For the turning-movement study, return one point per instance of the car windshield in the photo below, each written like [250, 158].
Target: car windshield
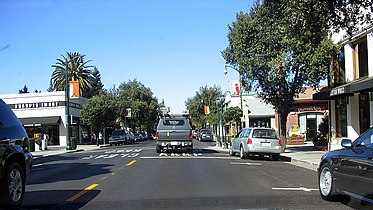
[185, 104]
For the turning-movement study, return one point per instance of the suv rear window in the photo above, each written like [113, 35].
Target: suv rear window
[118, 132]
[174, 122]
[264, 133]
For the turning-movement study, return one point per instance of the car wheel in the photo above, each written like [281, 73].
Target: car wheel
[275, 157]
[13, 186]
[157, 149]
[231, 153]
[326, 183]
[243, 155]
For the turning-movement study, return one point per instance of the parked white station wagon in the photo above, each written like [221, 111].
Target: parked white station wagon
[253, 141]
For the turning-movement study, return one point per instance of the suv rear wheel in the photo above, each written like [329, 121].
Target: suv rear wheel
[12, 188]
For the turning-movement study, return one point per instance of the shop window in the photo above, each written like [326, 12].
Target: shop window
[260, 122]
[341, 116]
[364, 108]
[309, 124]
[339, 69]
[361, 57]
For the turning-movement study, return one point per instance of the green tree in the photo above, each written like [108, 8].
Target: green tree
[24, 90]
[96, 86]
[78, 70]
[143, 105]
[206, 96]
[280, 47]
[100, 112]
[233, 115]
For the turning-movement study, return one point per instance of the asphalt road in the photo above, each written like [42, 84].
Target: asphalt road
[135, 177]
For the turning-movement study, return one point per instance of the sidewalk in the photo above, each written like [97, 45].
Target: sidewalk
[57, 150]
[305, 155]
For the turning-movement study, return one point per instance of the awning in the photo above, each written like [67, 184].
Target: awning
[32, 121]
[342, 90]
[360, 85]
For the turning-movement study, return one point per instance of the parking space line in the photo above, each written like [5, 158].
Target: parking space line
[296, 189]
[249, 164]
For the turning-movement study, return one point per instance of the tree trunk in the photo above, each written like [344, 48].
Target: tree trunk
[283, 119]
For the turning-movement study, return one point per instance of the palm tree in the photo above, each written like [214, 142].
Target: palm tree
[78, 70]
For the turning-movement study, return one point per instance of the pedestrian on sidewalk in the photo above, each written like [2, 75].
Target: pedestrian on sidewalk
[99, 138]
[38, 142]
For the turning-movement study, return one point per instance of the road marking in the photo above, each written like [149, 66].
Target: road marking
[131, 163]
[297, 189]
[249, 164]
[73, 198]
[189, 157]
[110, 156]
[37, 165]
[163, 154]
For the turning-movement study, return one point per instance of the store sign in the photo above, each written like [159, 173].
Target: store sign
[36, 105]
[45, 105]
[337, 91]
[311, 109]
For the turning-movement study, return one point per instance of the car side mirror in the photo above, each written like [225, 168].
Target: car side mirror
[346, 143]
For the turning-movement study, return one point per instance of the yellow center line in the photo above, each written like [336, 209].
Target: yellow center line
[73, 198]
[131, 163]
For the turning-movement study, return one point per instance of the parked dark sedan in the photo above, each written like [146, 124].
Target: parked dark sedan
[15, 159]
[348, 171]
[205, 135]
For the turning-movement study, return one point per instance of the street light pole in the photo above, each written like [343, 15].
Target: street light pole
[240, 85]
[67, 110]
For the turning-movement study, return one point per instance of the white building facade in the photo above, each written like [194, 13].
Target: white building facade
[44, 113]
[255, 112]
[350, 92]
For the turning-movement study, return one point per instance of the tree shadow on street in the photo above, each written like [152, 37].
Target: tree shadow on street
[57, 199]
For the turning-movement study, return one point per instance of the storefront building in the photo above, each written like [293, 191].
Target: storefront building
[255, 112]
[44, 113]
[350, 92]
[306, 115]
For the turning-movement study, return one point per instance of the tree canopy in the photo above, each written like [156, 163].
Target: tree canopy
[100, 111]
[206, 96]
[78, 70]
[143, 105]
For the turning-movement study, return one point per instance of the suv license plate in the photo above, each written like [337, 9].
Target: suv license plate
[174, 143]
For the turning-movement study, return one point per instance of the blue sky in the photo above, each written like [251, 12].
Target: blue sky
[171, 46]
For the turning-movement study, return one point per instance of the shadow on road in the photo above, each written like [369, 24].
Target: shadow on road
[57, 172]
[56, 199]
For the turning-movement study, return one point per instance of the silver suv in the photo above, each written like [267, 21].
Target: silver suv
[263, 141]
[174, 132]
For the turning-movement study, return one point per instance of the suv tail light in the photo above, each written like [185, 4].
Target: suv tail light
[279, 142]
[190, 134]
[249, 141]
[156, 135]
